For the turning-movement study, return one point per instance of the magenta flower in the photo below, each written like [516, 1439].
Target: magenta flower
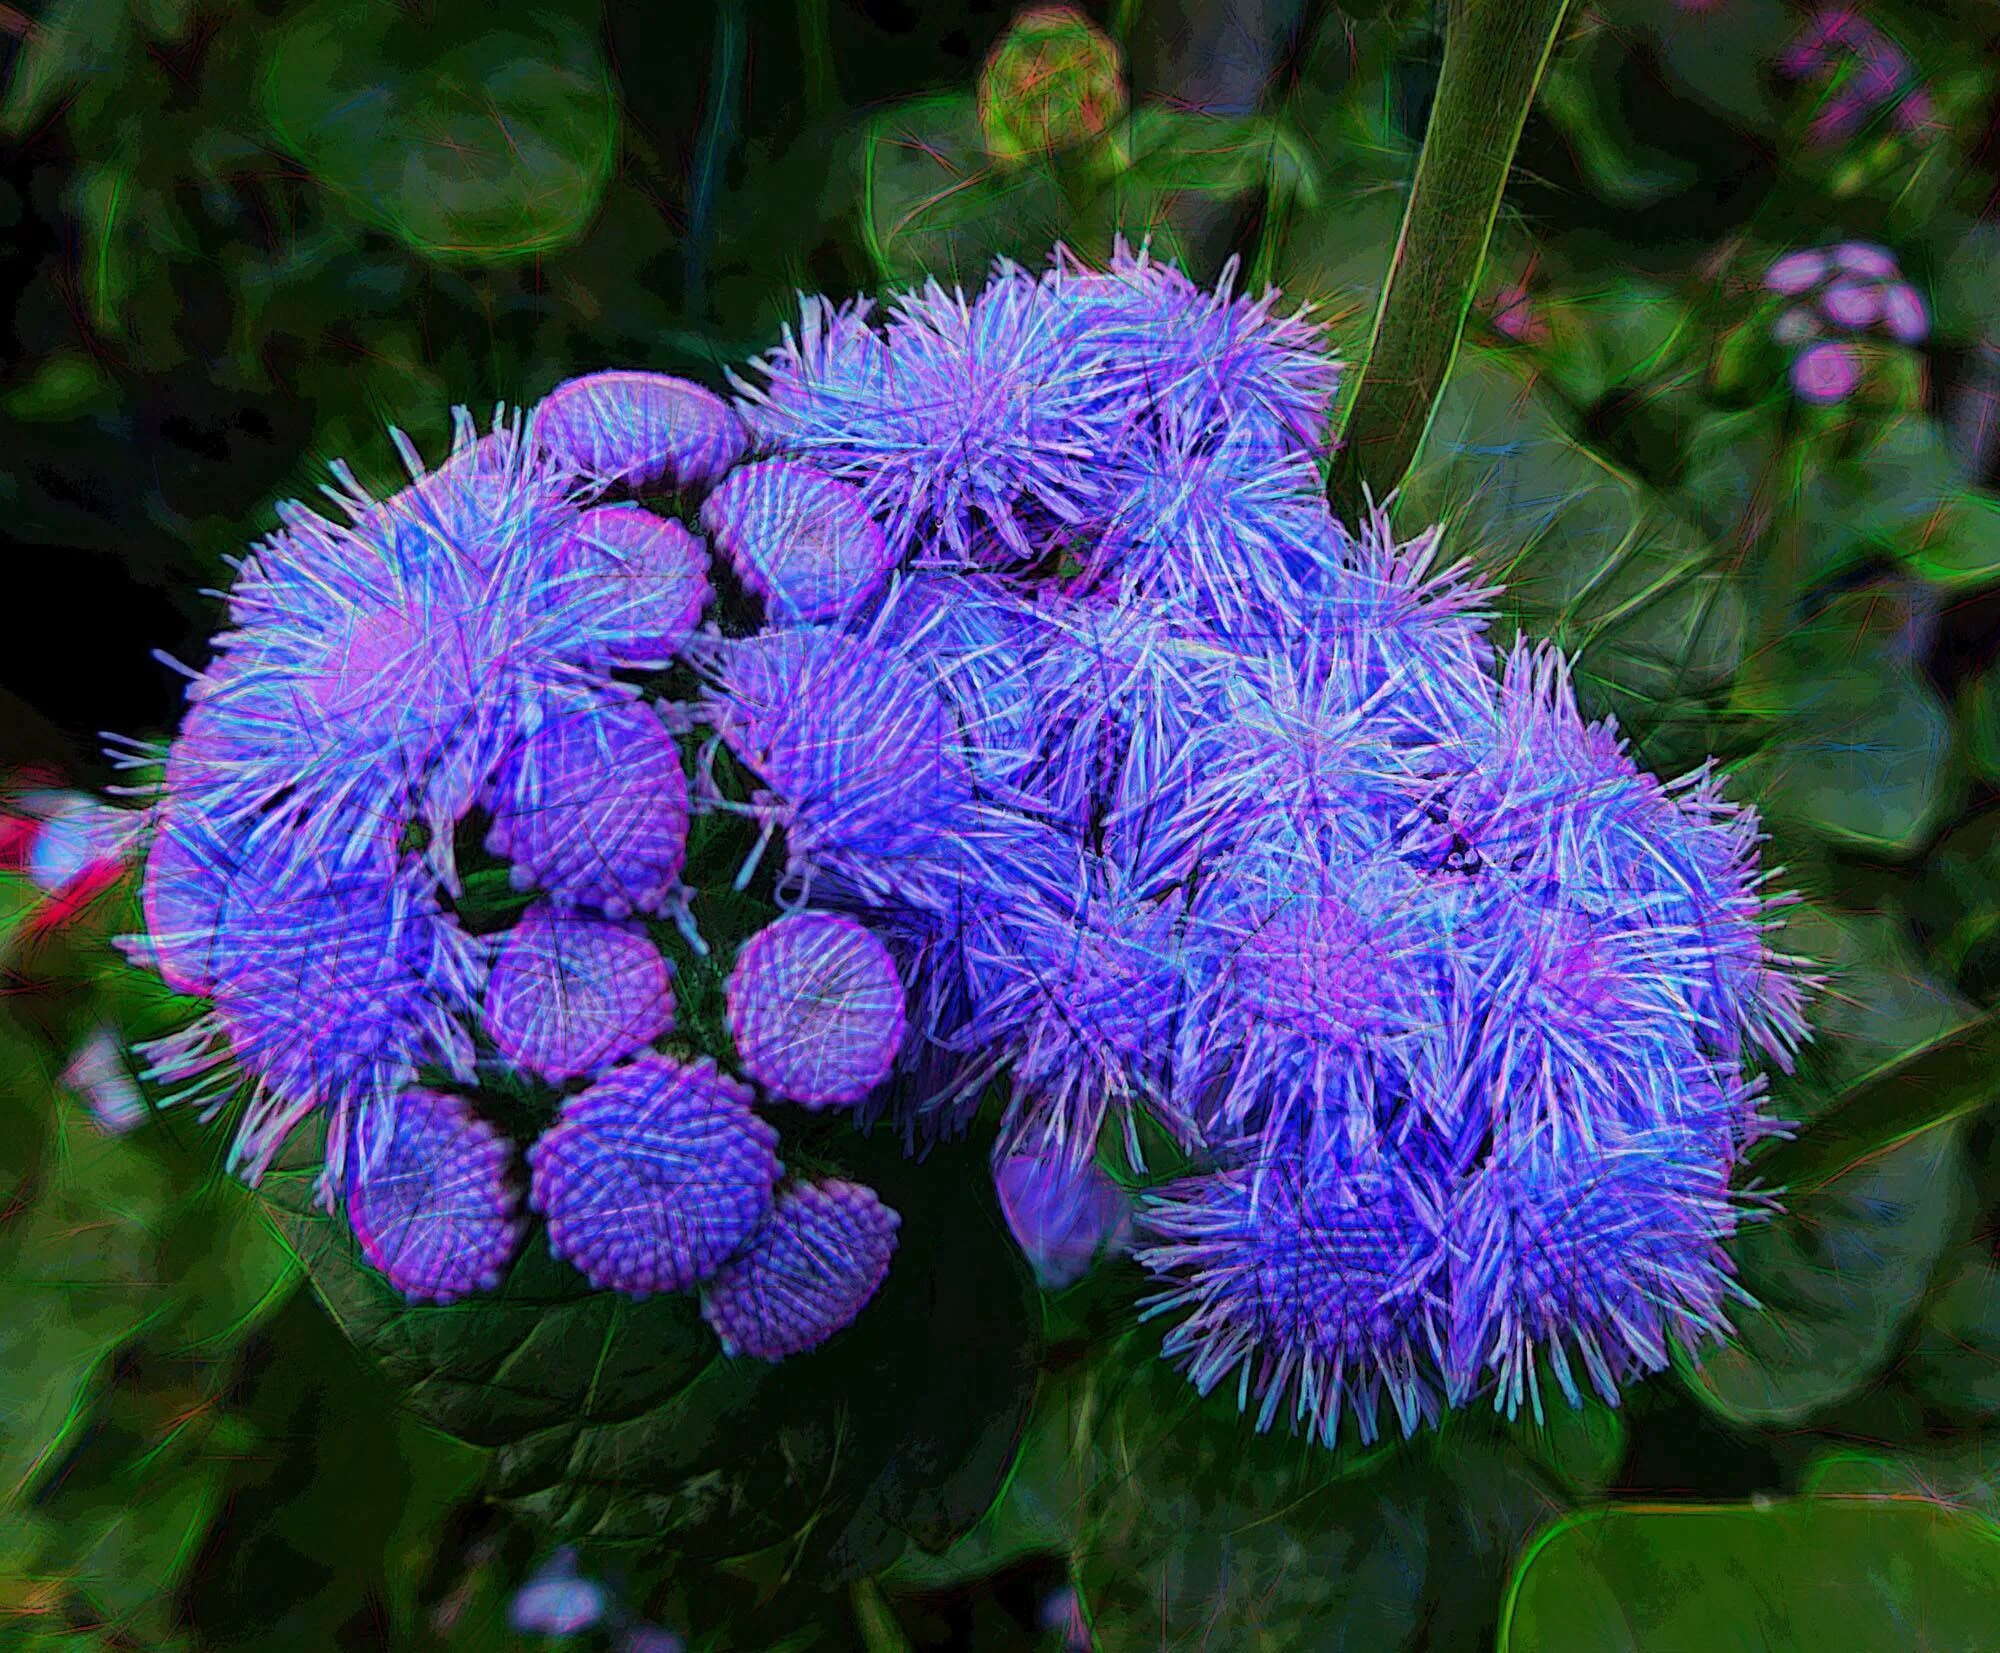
[569, 995]
[434, 1209]
[640, 428]
[801, 541]
[1795, 272]
[593, 807]
[1904, 314]
[1827, 373]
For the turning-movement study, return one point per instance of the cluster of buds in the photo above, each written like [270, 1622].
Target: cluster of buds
[1841, 297]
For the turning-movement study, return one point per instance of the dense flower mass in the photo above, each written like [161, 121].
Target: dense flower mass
[1111, 765]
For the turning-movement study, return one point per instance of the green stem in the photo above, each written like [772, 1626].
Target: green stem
[1494, 54]
[880, 1633]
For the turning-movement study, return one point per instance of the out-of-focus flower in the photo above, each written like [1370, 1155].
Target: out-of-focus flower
[1795, 272]
[557, 1600]
[1513, 313]
[1851, 288]
[98, 1072]
[1064, 1217]
[1062, 1615]
[1826, 373]
[1052, 81]
[71, 847]
[1862, 70]
[76, 841]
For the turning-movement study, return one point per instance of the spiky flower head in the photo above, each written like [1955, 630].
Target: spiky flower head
[1309, 1280]
[1116, 768]
[383, 680]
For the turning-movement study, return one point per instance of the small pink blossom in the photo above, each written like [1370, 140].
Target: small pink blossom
[1826, 374]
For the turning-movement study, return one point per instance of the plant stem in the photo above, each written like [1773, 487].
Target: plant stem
[1494, 54]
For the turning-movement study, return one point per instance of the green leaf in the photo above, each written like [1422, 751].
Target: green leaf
[1954, 1360]
[1720, 56]
[1582, 1446]
[1836, 1277]
[1928, 1090]
[1957, 905]
[78, 1275]
[469, 143]
[622, 1422]
[1860, 755]
[1190, 1530]
[1880, 1004]
[1835, 1575]
[1963, 1473]
[82, 43]
[1581, 95]
[1587, 557]
[934, 202]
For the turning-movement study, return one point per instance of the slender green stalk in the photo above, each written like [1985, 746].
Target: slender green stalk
[1494, 54]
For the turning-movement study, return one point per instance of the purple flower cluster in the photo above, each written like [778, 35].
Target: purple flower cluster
[1862, 70]
[445, 669]
[1839, 296]
[1110, 765]
[1175, 798]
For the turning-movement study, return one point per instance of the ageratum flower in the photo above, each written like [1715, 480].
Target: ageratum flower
[592, 805]
[1064, 1217]
[1312, 1283]
[801, 541]
[810, 1270]
[569, 995]
[1161, 795]
[1165, 355]
[854, 745]
[436, 1211]
[446, 648]
[815, 1008]
[655, 1176]
[965, 414]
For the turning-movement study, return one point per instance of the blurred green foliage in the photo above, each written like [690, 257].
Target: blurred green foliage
[246, 235]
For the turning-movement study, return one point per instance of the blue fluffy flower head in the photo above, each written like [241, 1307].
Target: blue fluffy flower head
[1113, 768]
